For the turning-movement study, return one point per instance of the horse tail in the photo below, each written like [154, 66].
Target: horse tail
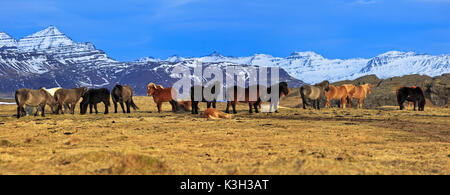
[17, 97]
[134, 105]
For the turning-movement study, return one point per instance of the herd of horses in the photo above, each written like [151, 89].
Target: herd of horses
[57, 98]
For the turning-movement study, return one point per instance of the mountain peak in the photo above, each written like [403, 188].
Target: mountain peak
[46, 38]
[305, 54]
[396, 54]
[215, 54]
[6, 40]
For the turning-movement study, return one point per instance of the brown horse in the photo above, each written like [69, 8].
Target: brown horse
[360, 93]
[314, 93]
[161, 95]
[243, 98]
[121, 94]
[339, 93]
[69, 97]
[34, 98]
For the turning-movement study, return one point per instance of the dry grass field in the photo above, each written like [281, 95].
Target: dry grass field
[294, 141]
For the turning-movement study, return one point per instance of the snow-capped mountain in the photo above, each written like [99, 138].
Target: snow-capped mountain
[312, 67]
[6, 40]
[49, 58]
[50, 37]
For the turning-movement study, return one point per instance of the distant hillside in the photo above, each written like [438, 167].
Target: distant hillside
[437, 89]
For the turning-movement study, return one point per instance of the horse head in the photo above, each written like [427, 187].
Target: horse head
[325, 85]
[151, 88]
[284, 88]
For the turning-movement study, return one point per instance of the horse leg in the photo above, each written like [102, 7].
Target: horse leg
[19, 111]
[73, 108]
[115, 106]
[255, 106]
[228, 107]
[250, 108]
[128, 104]
[327, 103]
[304, 102]
[233, 104]
[95, 107]
[208, 104]
[106, 107]
[415, 103]
[43, 110]
[343, 102]
[318, 104]
[214, 104]
[121, 105]
[158, 105]
[174, 105]
[90, 108]
[193, 111]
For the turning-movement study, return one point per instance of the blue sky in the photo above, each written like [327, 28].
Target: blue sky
[128, 30]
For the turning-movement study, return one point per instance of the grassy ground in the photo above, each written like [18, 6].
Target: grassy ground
[294, 141]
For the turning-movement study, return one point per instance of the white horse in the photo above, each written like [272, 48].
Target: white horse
[29, 110]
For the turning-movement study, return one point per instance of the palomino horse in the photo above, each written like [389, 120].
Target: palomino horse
[339, 93]
[69, 97]
[200, 90]
[161, 95]
[34, 98]
[410, 94]
[121, 94]
[283, 90]
[314, 93]
[359, 93]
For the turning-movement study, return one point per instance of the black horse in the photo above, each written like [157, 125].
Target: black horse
[283, 90]
[415, 95]
[92, 97]
[201, 89]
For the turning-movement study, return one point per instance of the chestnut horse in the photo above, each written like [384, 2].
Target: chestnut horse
[161, 95]
[212, 113]
[314, 93]
[360, 93]
[339, 93]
